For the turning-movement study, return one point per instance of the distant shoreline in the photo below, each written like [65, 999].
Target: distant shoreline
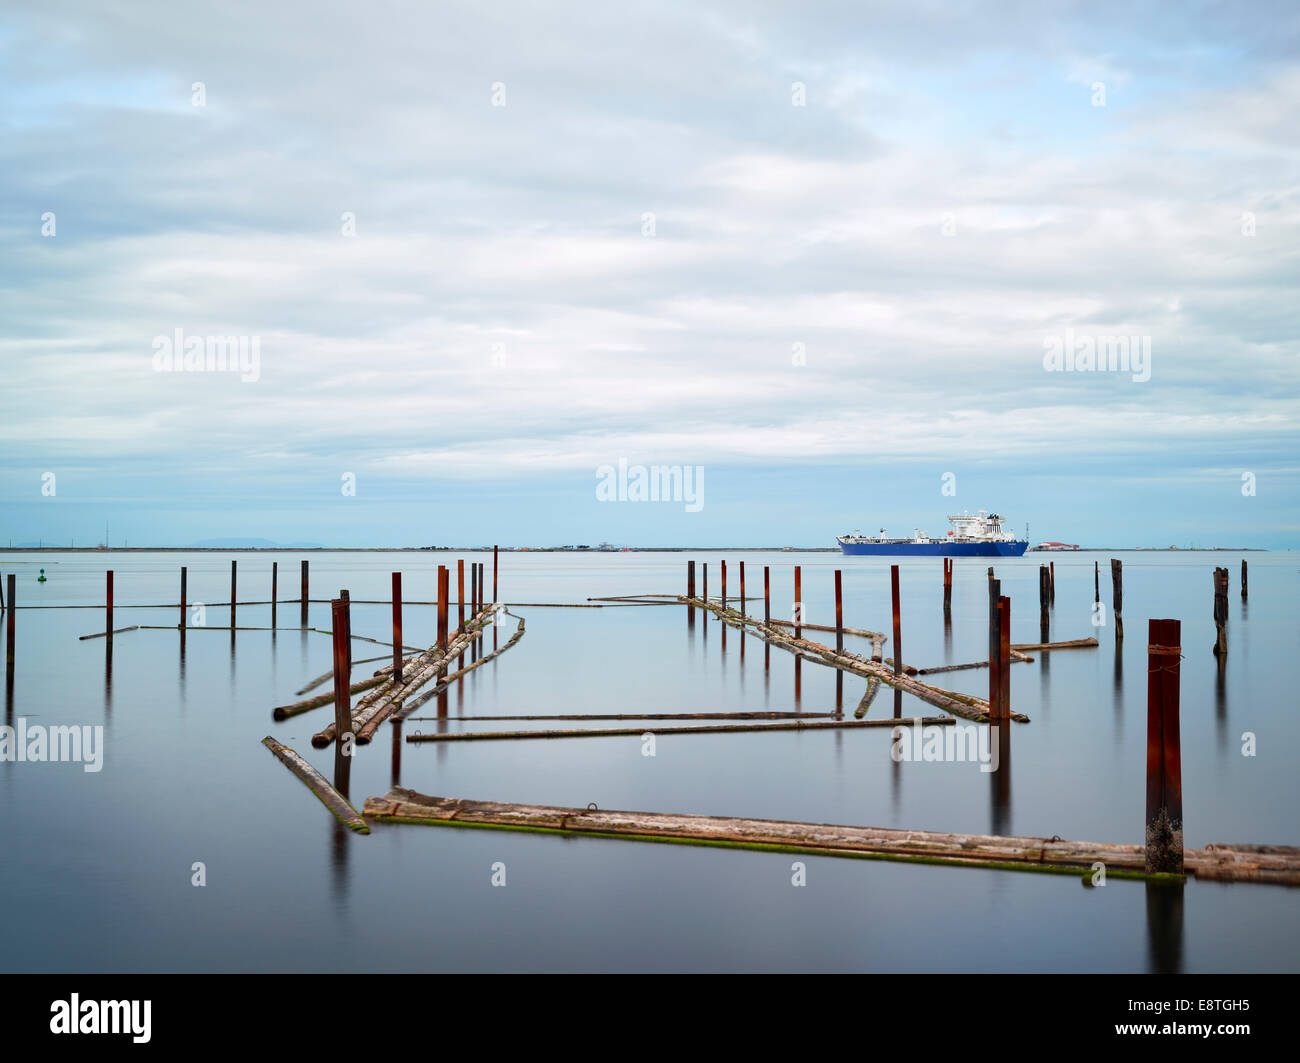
[570, 550]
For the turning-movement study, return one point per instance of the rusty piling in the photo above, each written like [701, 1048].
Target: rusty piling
[275, 574]
[1117, 596]
[184, 580]
[1164, 818]
[724, 584]
[303, 594]
[1243, 579]
[342, 676]
[397, 627]
[798, 603]
[108, 604]
[898, 620]
[232, 594]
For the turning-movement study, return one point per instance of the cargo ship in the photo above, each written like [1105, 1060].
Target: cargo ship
[978, 535]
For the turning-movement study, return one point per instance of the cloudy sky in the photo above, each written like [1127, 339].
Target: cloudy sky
[818, 250]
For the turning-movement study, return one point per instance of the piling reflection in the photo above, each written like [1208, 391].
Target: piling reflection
[1165, 928]
[1221, 699]
[395, 775]
[1000, 781]
[108, 677]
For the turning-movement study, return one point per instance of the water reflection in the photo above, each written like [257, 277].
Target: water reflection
[1165, 928]
[1000, 781]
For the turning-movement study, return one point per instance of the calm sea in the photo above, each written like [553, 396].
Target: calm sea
[98, 867]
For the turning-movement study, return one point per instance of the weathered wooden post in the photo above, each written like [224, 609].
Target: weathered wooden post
[1004, 657]
[12, 598]
[303, 593]
[342, 676]
[705, 569]
[1117, 596]
[724, 584]
[742, 602]
[947, 586]
[347, 627]
[232, 595]
[995, 647]
[460, 595]
[1221, 612]
[898, 620]
[184, 578]
[1096, 582]
[1051, 583]
[767, 596]
[839, 616]
[1243, 578]
[495, 599]
[108, 603]
[275, 572]
[397, 627]
[443, 587]
[1164, 820]
[690, 579]
[1044, 599]
[798, 603]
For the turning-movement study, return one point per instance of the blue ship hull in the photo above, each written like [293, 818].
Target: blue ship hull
[940, 549]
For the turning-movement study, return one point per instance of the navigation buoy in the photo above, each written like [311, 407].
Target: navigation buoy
[41, 577]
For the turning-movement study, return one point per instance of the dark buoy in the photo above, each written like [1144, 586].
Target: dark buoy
[41, 577]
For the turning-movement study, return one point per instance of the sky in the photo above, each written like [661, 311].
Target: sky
[817, 257]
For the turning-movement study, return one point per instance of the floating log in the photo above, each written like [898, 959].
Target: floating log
[404, 711]
[645, 716]
[825, 627]
[611, 732]
[424, 668]
[319, 785]
[873, 688]
[1242, 863]
[283, 712]
[1016, 655]
[972, 709]
[102, 634]
[1042, 647]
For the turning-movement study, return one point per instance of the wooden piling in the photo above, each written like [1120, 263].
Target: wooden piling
[232, 595]
[767, 595]
[1117, 597]
[1051, 583]
[342, 681]
[839, 614]
[995, 654]
[1096, 581]
[1044, 600]
[12, 597]
[397, 627]
[495, 598]
[690, 580]
[742, 597]
[724, 584]
[1004, 657]
[1221, 612]
[1164, 818]
[443, 588]
[1243, 578]
[798, 603]
[275, 575]
[705, 570]
[303, 597]
[898, 620]
[947, 586]
[108, 603]
[184, 578]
